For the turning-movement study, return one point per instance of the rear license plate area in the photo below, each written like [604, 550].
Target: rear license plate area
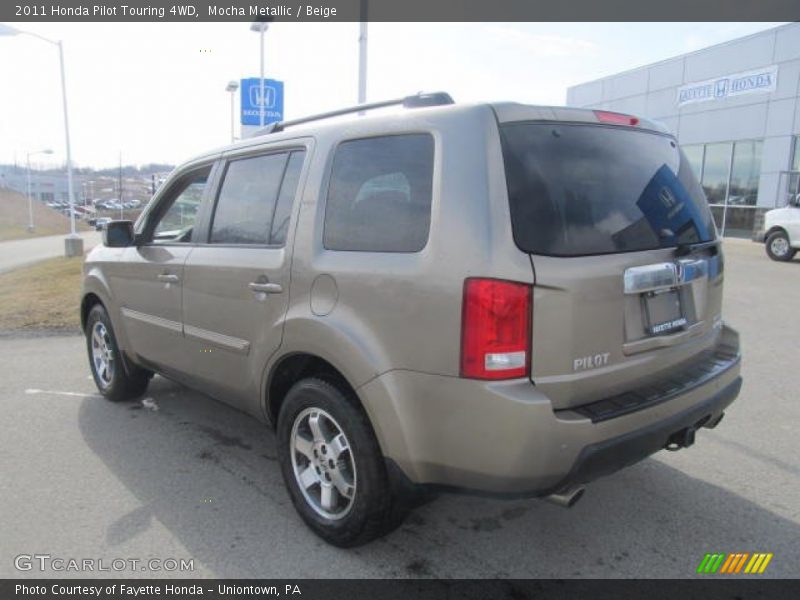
[663, 312]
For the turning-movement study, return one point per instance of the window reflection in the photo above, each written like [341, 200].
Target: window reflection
[729, 173]
[744, 173]
[694, 154]
[716, 169]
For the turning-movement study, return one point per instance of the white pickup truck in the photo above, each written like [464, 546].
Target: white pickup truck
[782, 227]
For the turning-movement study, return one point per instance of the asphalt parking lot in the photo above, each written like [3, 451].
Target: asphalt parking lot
[85, 478]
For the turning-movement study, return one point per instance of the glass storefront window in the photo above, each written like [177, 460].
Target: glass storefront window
[745, 170]
[739, 221]
[694, 154]
[729, 173]
[793, 189]
[716, 172]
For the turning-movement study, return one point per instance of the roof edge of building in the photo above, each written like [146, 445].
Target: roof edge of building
[684, 55]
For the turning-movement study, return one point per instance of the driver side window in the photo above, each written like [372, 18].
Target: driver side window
[177, 218]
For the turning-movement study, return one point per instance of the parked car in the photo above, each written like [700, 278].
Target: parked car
[100, 222]
[782, 231]
[497, 299]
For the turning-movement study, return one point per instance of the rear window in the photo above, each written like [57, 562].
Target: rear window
[577, 189]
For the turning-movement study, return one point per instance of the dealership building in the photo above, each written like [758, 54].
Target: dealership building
[735, 109]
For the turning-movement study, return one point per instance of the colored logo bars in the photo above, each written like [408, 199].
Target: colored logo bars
[740, 562]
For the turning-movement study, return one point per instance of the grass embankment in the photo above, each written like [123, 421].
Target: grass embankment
[14, 218]
[43, 296]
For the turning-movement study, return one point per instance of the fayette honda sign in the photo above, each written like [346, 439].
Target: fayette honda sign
[760, 81]
[253, 103]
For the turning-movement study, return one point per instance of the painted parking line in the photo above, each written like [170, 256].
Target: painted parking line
[33, 391]
[149, 403]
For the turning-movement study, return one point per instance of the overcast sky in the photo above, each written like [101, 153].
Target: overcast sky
[156, 91]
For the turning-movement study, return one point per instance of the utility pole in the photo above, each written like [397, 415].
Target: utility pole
[119, 186]
[362, 55]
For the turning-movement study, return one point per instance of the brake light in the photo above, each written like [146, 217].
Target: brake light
[495, 329]
[605, 116]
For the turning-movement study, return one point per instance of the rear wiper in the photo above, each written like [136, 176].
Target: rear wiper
[684, 249]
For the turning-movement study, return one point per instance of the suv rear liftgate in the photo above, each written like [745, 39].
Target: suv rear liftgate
[628, 274]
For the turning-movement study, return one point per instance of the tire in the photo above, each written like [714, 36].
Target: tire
[354, 461]
[778, 247]
[113, 380]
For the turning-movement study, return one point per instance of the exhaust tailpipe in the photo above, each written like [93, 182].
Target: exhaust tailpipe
[567, 497]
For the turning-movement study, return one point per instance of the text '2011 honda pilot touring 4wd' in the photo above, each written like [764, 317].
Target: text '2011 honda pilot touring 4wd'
[494, 298]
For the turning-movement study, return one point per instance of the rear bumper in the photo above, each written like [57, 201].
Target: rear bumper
[504, 438]
[608, 456]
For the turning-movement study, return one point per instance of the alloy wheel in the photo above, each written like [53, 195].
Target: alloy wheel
[323, 464]
[102, 354]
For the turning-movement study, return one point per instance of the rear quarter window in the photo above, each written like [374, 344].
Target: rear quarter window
[379, 197]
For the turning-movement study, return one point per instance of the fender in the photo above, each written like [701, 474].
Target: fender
[95, 282]
[345, 343]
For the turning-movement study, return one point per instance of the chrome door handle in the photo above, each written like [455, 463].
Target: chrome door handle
[266, 288]
[168, 278]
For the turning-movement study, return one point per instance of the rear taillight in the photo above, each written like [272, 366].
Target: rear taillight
[605, 116]
[495, 329]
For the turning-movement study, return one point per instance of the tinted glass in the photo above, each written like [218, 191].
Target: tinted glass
[588, 189]
[745, 172]
[716, 168]
[380, 194]
[176, 222]
[694, 154]
[283, 209]
[738, 220]
[246, 200]
[796, 161]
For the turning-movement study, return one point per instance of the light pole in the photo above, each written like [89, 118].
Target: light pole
[73, 243]
[30, 197]
[232, 87]
[362, 55]
[261, 28]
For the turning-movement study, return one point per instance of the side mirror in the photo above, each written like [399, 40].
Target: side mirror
[795, 201]
[118, 234]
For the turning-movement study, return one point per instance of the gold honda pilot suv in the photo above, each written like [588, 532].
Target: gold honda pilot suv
[486, 298]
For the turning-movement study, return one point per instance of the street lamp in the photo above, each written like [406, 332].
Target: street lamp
[232, 87]
[73, 244]
[261, 28]
[30, 197]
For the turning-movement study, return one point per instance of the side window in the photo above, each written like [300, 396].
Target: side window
[247, 200]
[175, 221]
[379, 199]
[283, 209]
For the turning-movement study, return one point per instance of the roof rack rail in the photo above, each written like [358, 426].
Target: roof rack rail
[416, 101]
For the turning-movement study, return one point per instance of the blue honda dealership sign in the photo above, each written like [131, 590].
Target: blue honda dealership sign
[271, 104]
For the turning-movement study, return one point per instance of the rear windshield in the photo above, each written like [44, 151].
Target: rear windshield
[578, 189]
